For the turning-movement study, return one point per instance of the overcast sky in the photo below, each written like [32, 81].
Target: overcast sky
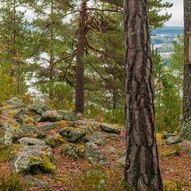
[176, 10]
[177, 13]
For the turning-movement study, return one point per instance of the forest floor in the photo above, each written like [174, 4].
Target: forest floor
[71, 174]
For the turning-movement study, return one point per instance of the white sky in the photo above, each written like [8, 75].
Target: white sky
[176, 10]
[177, 13]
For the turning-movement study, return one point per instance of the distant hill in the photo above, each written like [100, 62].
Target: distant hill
[168, 30]
[164, 38]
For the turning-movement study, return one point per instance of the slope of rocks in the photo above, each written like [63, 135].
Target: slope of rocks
[49, 148]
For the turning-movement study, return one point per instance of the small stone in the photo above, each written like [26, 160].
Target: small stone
[109, 129]
[166, 135]
[173, 140]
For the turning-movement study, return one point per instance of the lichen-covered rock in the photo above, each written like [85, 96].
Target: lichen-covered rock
[31, 141]
[186, 130]
[48, 126]
[73, 134]
[51, 115]
[68, 115]
[109, 129]
[32, 159]
[98, 138]
[185, 146]
[173, 140]
[94, 155]
[29, 130]
[11, 133]
[15, 103]
[38, 108]
[73, 151]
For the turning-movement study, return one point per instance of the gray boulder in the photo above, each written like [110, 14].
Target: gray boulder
[32, 159]
[94, 155]
[38, 108]
[11, 134]
[31, 141]
[98, 138]
[48, 126]
[73, 134]
[51, 115]
[68, 115]
[109, 129]
[29, 130]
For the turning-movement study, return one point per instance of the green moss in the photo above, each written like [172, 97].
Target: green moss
[172, 186]
[46, 165]
[16, 125]
[51, 142]
[54, 141]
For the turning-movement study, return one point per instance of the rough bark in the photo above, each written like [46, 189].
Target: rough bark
[79, 105]
[187, 64]
[142, 171]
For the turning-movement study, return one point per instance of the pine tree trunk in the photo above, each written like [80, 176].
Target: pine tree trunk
[79, 105]
[187, 65]
[51, 61]
[142, 171]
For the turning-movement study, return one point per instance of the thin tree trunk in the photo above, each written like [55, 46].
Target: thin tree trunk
[79, 105]
[51, 70]
[142, 171]
[187, 64]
